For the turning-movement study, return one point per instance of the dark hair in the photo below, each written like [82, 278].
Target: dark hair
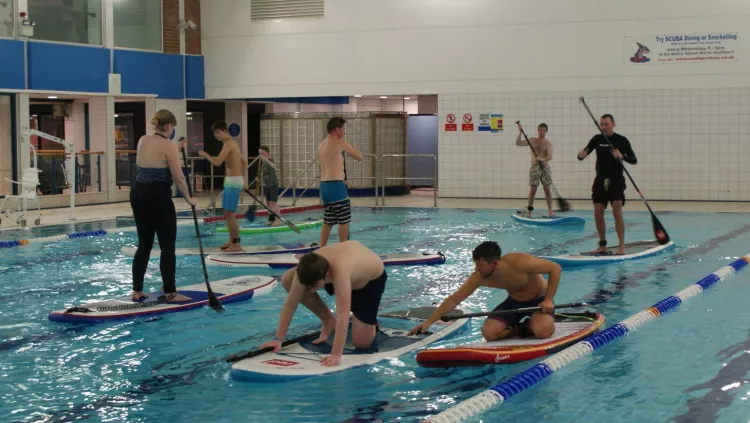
[335, 123]
[265, 148]
[311, 268]
[608, 116]
[488, 250]
[219, 125]
[543, 125]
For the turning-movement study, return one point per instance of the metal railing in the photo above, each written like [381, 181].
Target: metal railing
[406, 178]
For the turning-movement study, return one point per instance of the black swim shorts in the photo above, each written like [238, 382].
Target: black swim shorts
[607, 190]
[366, 301]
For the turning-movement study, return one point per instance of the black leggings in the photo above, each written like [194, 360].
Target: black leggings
[154, 214]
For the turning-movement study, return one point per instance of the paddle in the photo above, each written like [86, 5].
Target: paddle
[306, 337]
[563, 203]
[288, 223]
[661, 234]
[517, 310]
[212, 300]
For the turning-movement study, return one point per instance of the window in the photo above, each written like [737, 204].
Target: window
[6, 18]
[137, 24]
[71, 21]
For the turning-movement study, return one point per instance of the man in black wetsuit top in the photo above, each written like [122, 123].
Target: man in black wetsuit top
[609, 184]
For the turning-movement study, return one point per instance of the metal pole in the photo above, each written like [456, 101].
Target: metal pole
[212, 185]
[434, 181]
[99, 170]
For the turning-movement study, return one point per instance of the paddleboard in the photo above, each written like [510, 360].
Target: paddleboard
[273, 229]
[633, 250]
[227, 291]
[303, 359]
[569, 328]
[547, 220]
[260, 249]
[287, 261]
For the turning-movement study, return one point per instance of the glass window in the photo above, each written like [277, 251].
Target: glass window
[137, 24]
[71, 21]
[6, 18]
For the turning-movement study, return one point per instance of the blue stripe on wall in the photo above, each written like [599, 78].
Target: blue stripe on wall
[149, 73]
[62, 67]
[11, 64]
[196, 87]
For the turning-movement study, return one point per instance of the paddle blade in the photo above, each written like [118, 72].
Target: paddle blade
[214, 302]
[661, 234]
[250, 214]
[563, 204]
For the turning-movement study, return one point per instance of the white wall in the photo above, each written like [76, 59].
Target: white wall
[426, 46]
[691, 144]
[6, 141]
[355, 105]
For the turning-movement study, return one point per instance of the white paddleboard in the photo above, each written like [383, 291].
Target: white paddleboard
[231, 290]
[302, 360]
[548, 221]
[287, 261]
[260, 249]
[633, 250]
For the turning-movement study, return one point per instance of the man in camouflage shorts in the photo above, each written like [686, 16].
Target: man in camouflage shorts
[539, 170]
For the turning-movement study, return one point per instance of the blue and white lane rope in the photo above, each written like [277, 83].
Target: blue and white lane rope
[526, 379]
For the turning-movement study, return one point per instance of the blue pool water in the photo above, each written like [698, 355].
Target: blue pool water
[689, 365]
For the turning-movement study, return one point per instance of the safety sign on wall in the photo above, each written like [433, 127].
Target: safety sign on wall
[484, 123]
[496, 122]
[467, 124]
[451, 124]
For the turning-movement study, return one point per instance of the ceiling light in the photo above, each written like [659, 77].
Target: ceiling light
[117, 115]
[358, 95]
[189, 113]
[382, 96]
[52, 97]
[407, 98]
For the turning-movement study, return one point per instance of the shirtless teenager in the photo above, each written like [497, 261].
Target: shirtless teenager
[235, 180]
[543, 148]
[355, 275]
[521, 275]
[333, 192]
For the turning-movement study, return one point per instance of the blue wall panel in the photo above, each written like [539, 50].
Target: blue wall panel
[150, 73]
[196, 87]
[62, 67]
[11, 64]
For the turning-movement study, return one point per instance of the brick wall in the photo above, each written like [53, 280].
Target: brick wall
[170, 22]
[193, 36]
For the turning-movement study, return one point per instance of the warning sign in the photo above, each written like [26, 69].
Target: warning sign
[467, 125]
[484, 122]
[491, 122]
[451, 125]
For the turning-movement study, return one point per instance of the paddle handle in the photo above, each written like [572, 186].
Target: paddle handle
[517, 310]
[260, 351]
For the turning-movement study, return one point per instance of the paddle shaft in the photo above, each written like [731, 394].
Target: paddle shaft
[562, 201]
[517, 310]
[251, 354]
[288, 223]
[212, 300]
[657, 224]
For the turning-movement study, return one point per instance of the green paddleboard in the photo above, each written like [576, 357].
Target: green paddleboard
[271, 229]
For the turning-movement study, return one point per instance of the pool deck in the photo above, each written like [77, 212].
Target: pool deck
[420, 198]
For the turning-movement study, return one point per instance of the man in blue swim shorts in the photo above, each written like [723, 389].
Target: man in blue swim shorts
[521, 275]
[333, 192]
[235, 180]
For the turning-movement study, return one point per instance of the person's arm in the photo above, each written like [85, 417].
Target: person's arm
[468, 288]
[352, 152]
[296, 292]
[521, 142]
[243, 160]
[218, 160]
[627, 152]
[175, 168]
[535, 265]
[268, 162]
[591, 146]
[343, 290]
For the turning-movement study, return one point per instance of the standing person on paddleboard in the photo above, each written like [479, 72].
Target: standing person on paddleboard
[609, 183]
[158, 162]
[521, 275]
[333, 192]
[355, 275]
[539, 170]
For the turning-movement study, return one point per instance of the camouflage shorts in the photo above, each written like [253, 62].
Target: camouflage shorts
[536, 175]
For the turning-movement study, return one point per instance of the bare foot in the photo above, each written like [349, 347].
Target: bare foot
[621, 250]
[137, 296]
[176, 297]
[226, 245]
[551, 214]
[233, 248]
[325, 331]
[600, 250]
[276, 223]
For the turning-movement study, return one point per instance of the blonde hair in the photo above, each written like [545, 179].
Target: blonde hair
[163, 118]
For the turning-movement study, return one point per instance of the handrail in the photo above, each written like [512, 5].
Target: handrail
[298, 176]
[406, 178]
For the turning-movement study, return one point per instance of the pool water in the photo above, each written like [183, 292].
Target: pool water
[689, 365]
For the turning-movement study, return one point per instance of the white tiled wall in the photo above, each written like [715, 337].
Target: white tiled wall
[6, 141]
[355, 105]
[691, 144]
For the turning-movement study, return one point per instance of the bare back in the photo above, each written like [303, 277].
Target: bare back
[521, 286]
[351, 257]
[331, 159]
[233, 162]
[153, 151]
